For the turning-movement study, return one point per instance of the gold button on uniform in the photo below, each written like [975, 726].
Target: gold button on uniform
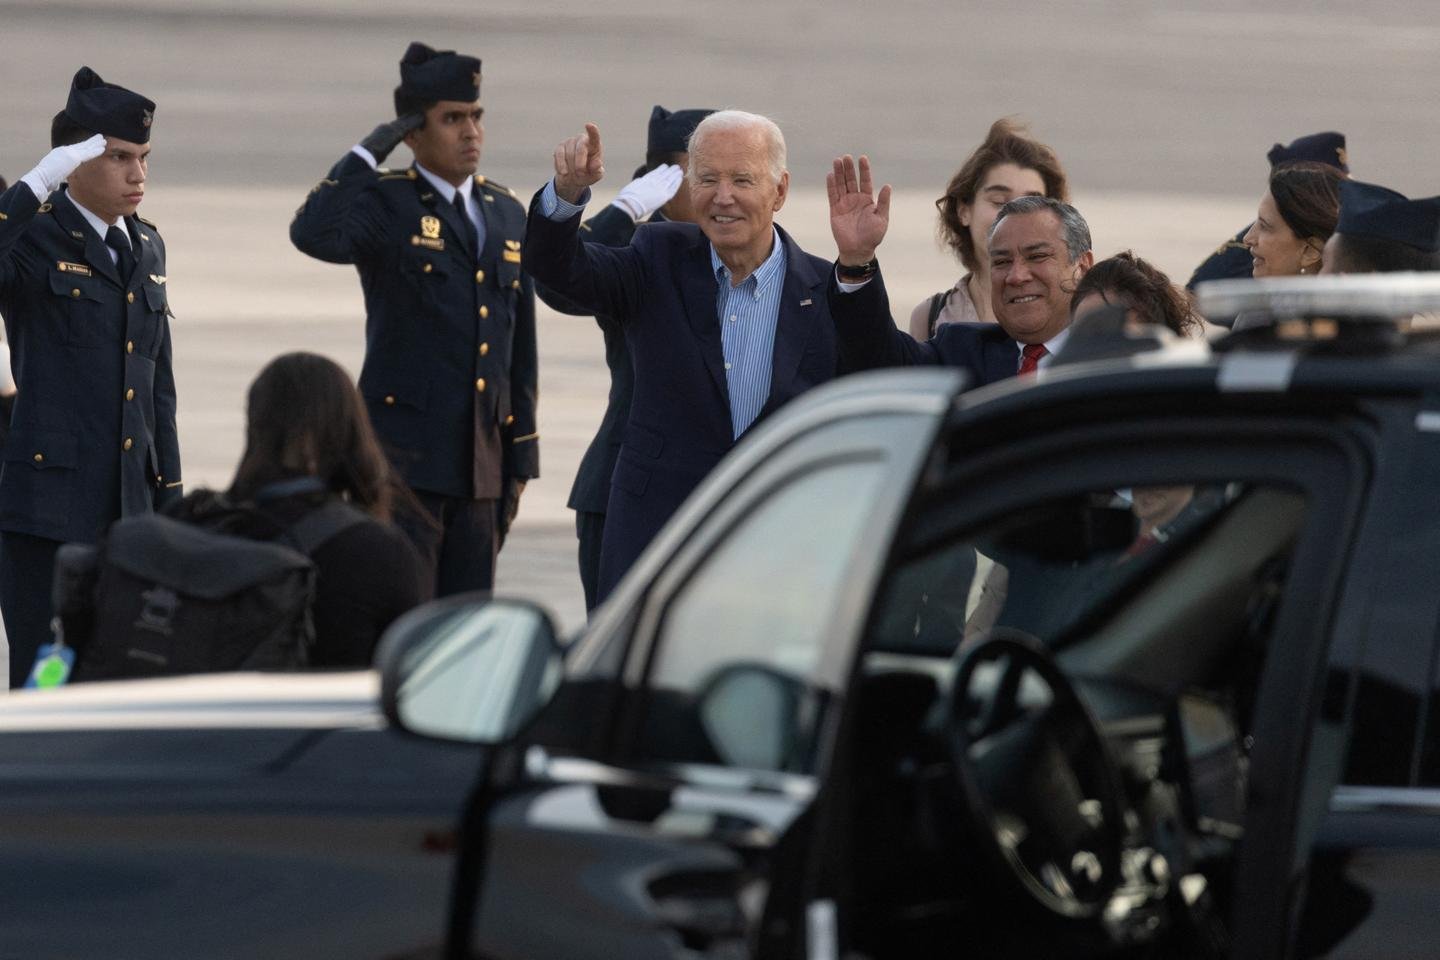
[389, 399]
[39, 458]
[480, 384]
[130, 297]
[509, 420]
[75, 292]
[128, 443]
[515, 284]
[484, 312]
[484, 349]
[428, 267]
[130, 394]
[479, 276]
[129, 346]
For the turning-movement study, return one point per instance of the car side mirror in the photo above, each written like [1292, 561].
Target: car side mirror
[474, 670]
[749, 711]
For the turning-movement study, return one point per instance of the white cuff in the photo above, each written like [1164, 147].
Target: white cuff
[850, 287]
[365, 155]
[557, 208]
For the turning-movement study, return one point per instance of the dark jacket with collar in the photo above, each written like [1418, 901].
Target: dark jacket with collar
[868, 338]
[662, 290]
[591, 490]
[92, 435]
[449, 375]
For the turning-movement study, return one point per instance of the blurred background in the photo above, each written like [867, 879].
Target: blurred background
[1161, 112]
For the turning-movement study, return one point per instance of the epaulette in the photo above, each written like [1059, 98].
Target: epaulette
[408, 174]
[482, 181]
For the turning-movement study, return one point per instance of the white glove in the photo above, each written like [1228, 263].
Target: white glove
[644, 195]
[59, 163]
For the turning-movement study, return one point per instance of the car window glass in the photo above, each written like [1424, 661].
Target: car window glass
[739, 668]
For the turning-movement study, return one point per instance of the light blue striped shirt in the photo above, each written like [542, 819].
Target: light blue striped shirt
[748, 316]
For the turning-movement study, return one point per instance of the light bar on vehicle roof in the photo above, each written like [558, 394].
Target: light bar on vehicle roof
[1370, 295]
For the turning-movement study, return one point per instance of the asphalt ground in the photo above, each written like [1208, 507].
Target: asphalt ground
[1162, 113]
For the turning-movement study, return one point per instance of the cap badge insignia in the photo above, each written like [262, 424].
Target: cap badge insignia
[1343, 155]
[430, 228]
[146, 118]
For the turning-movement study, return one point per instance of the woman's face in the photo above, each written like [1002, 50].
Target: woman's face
[1275, 249]
[1001, 184]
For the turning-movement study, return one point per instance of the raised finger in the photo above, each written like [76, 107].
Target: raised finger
[562, 167]
[830, 188]
[882, 203]
[851, 184]
[867, 186]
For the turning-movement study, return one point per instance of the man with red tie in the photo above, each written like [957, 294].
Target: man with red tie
[1039, 249]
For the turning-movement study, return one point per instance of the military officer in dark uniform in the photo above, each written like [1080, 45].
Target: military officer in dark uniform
[83, 294]
[450, 364]
[1232, 258]
[654, 193]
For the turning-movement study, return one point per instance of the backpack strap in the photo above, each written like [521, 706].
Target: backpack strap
[937, 304]
[316, 528]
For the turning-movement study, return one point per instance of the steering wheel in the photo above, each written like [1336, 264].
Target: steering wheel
[1043, 794]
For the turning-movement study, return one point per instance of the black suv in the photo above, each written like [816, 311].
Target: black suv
[1133, 658]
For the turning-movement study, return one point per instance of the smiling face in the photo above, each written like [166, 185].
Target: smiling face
[735, 196]
[1274, 248]
[448, 145]
[1001, 184]
[1032, 276]
[112, 185]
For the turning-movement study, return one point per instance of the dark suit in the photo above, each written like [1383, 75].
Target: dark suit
[663, 291]
[590, 493]
[449, 375]
[867, 338]
[92, 436]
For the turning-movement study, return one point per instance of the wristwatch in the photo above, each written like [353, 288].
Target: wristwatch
[858, 273]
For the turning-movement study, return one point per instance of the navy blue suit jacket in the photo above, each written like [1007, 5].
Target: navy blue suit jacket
[867, 338]
[591, 490]
[92, 437]
[662, 290]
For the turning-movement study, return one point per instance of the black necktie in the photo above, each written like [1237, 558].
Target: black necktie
[116, 240]
[470, 232]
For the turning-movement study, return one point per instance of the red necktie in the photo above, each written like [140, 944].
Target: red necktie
[1030, 356]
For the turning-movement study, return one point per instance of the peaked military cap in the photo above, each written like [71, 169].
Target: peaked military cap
[429, 75]
[1368, 210]
[1327, 148]
[670, 131]
[106, 108]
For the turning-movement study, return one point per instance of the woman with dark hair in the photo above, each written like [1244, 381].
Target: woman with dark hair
[1008, 164]
[308, 442]
[1296, 217]
[1145, 291]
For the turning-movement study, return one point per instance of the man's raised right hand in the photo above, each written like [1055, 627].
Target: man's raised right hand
[579, 164]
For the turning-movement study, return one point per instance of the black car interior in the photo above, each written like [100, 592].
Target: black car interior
[1056, 757]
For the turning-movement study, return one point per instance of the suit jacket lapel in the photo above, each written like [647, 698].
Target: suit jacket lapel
[147, 260]
[97, 255]
[447, 214]
[700, 291]
[800, 309]
[1001, 358]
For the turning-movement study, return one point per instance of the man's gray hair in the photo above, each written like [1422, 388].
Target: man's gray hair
[1073, 226]
[735, 121]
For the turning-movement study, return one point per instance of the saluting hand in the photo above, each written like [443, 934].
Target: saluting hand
[59, 163]
[579, 164]
[388, 135]
[858, 219]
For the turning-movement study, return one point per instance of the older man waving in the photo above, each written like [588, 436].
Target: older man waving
[726, 320]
